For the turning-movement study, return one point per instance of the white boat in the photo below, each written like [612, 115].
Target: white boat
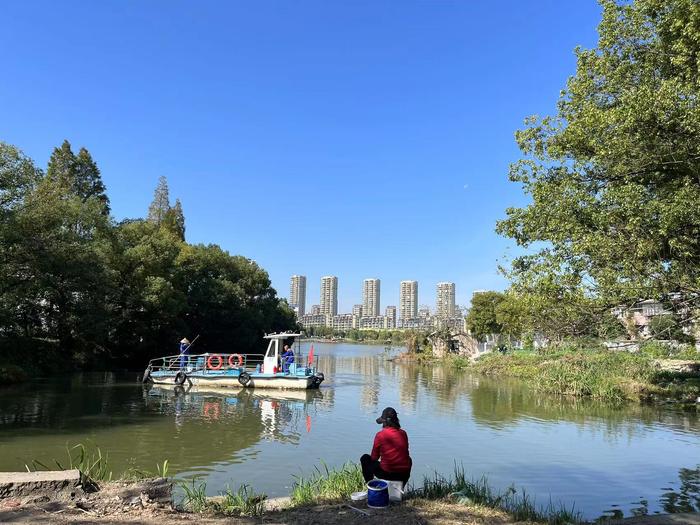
[238, 370]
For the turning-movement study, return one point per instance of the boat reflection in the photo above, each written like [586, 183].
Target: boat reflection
[272, 415]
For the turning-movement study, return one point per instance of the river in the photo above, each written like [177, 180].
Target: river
[599, 458]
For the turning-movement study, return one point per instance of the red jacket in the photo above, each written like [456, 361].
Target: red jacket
[391, 445]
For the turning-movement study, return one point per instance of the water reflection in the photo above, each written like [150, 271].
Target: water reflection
[591, 454]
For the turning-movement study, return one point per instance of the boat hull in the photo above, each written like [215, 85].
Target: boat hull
[279, 382]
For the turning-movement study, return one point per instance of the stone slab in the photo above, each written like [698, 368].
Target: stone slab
[14, 484]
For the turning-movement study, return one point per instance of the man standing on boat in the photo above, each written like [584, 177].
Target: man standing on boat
[287, 358]
[184, 346]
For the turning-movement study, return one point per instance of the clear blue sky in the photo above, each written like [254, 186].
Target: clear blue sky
[357, 138]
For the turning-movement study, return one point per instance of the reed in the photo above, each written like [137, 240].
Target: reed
[606, 375]
[478, 492]
[327, 484]
[243, 502]
[88, 459]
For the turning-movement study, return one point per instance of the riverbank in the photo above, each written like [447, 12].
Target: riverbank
[68, 496]
[607, 375]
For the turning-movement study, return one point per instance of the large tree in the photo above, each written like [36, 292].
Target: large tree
[614, 175]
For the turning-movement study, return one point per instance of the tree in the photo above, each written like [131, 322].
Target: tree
[174, 220]
[160, 205]
[614, 176]
[18, 176]
[79, 174]
[481, 319]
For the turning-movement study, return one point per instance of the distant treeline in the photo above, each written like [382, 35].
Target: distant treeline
[81, 288]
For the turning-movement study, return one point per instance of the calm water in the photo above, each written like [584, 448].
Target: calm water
[603, 459]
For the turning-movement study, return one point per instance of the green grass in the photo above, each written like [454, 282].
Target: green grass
[328, 484]
[88, 459]
[478, 492]
[607, 375]
[243, 502]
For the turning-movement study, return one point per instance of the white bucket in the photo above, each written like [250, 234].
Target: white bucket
[395, 490]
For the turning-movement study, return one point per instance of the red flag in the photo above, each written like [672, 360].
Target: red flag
[311, 356]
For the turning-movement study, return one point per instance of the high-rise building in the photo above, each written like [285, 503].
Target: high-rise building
[315, 309]
[357, 310]
[329, 295]
[445, 300]
[408, 299]
[297, 294]
[390, 316]
[370, 298]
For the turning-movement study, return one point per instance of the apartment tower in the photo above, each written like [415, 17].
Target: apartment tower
[445, 300]
[297, 294]
[329, 295]
[408, 300]
[390, 316]
[370, 298]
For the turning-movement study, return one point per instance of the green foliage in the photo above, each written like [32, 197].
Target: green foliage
[668, 327]
[613, 176]
[482, 319]
[88, 459]
[243, 502]
[329, 484]
[601, 374]
[97, 290]
[478, 492]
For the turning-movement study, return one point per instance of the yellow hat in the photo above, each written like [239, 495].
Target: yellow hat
[186, 341]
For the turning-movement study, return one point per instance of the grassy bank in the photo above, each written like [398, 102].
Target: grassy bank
[602, 374]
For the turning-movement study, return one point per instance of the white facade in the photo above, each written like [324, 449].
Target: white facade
[314, 320]
[370, 297]
[357, 310]
[297, 294]
[445, 300]
[408, 299]
[343, 322]
[375, 322]
[329, 295]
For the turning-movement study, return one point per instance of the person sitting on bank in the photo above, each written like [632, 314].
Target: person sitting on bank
[389, 459]
[287, 358]
[184, 346]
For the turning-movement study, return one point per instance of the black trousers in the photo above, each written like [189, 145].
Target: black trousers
[372, 469]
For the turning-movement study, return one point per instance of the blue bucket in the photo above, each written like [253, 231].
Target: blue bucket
[378, 494]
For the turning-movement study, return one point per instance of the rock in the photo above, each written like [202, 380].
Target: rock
[14, 484]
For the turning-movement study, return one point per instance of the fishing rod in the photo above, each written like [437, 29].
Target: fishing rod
[193, 341]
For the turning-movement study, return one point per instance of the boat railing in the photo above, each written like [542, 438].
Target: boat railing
[216, 362]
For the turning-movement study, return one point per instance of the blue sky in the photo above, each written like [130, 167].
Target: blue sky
[357, 139]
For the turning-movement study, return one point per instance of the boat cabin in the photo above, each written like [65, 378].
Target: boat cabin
[275, 349]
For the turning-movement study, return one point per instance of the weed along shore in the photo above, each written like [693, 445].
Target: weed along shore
[72, 497]
[610, 376]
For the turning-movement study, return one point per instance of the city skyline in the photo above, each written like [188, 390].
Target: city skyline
[409, 305]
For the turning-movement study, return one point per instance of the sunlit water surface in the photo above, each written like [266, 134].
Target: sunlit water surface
[603, 459]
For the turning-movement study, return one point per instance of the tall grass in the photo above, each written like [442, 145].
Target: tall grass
[478, 492]
[611, 376]
[88, 459]
[327, 484]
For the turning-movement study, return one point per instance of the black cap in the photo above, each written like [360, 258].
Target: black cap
[387, 413]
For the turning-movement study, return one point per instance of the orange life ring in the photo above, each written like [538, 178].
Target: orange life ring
[220, 362]
[230, 360]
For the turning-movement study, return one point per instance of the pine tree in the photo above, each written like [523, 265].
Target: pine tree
[179, 219]
[78, 173]
[62, 165]
[88, 181]
[161, 202]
